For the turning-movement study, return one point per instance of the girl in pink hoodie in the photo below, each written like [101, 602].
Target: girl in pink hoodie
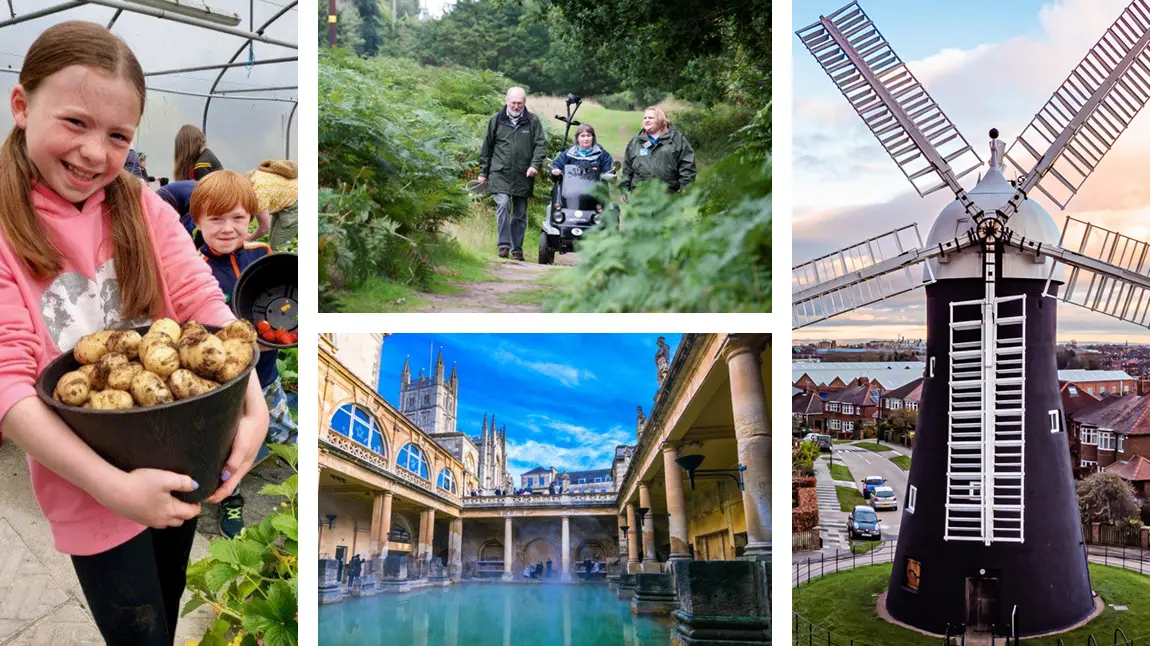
[84, 247]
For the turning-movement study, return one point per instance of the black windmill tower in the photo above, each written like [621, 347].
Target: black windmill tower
[990, 534]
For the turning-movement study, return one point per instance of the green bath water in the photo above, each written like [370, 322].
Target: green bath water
[492, 615]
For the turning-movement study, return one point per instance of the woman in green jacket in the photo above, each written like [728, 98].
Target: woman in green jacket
[658, 152]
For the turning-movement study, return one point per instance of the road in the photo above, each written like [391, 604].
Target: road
[863, 463]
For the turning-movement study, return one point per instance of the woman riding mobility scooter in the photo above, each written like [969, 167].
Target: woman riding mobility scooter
[573, 209]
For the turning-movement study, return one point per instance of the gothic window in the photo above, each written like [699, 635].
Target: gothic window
[358, 424]
[411, 458]
[411, 402]
[446, 481]
[426, 400]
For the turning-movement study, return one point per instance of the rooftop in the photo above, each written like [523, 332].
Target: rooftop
[1136, 469]
[1093, 375]
[891, 374]
[910, 392]
[1126, 415]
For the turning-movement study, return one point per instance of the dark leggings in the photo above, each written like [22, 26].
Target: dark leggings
[134, 589]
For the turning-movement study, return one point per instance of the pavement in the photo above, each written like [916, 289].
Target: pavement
[41, 601]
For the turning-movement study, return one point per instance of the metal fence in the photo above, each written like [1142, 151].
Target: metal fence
[813, 567]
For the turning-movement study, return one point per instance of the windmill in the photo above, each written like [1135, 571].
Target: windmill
[990, 535]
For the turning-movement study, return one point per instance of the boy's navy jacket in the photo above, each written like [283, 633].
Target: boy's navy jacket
[599, 158]
[227, 269]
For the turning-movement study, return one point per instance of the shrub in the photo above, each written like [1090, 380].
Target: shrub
[713, 132]
[805, 515]
[1105, 498]
[631, 99]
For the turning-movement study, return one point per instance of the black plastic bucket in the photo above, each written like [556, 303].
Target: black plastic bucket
[192, 436]
[267, 291]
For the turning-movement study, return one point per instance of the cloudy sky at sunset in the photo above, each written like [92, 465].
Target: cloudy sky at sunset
[987, 64]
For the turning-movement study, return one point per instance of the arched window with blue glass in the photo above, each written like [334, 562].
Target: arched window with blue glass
[446, 480]
[411, 458]
[360, 425]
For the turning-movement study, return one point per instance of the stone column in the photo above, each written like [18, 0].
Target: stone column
[676, 506]
[455, 549]
[507, 575]
[632, 541]
[421, 540]
[428, 550]
[649, 558]
[566, 574]
[753, 434]
[622, 543]
[381, 524]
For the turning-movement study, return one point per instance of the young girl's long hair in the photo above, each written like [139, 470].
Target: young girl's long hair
[63, 45]
[190, 142]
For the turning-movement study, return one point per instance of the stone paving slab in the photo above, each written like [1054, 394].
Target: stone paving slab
[41, 601]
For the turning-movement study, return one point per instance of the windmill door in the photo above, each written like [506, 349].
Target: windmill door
[981, 603]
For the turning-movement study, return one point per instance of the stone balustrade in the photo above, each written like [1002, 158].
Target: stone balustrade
[379, 463]
[539, 500]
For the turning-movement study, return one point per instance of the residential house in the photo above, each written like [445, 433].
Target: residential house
[807, 407]
[1100, 382]
[1115, 429]
[847, 412]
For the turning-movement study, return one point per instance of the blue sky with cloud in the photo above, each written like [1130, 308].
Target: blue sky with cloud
[567, 399]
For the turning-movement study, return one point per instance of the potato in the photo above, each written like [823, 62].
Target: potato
[92, 347]
[241, 329]
[89, 372]
[192, 327]
[162, 360]
[185, 383]
[148, 389]
[126, 342]
[106, 365]
[167, 326]
[153, 339]
[72, 389]
[238, 357]
[202, 353]
[120, 378]
[111, 400]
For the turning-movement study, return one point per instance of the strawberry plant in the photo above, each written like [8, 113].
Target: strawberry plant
[251, 581]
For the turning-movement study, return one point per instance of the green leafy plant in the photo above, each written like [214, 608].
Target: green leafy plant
[251, 582]
[288, 365]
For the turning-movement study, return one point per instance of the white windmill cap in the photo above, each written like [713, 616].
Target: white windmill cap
[1031, 221]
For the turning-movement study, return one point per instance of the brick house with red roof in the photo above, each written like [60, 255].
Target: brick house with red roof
[847, 412]
[1136, 471]
[1113, 430]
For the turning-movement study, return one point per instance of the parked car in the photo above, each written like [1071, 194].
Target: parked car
[869, 483]
[824, 441]
[884, 498]
[863, 523]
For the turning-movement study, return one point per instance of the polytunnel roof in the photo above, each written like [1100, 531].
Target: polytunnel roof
[234, 79]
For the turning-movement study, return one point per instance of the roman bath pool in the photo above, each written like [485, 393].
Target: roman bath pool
[480, 614]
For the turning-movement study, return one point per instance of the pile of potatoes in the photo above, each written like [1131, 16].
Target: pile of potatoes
[120, 369]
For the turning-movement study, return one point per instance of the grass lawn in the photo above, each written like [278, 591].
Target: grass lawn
[862, 547]
[840, 472]
[455, 263]
[844, 603]
[842, 441]
[903, 462]
[871, 446]
[849, 498]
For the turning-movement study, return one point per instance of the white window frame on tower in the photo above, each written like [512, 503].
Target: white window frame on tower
[1055, 420]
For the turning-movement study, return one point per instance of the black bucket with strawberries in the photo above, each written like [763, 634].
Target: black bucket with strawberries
[266, 295]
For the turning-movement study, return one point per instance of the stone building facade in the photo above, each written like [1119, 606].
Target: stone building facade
[431, 402]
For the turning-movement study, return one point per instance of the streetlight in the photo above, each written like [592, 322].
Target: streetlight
[690, 464]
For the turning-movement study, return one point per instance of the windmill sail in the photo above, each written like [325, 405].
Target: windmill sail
[862, 274]
[1088, 112]
[1108, 272]
[907, 122]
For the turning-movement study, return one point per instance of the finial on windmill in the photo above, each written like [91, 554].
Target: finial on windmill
[997, 151]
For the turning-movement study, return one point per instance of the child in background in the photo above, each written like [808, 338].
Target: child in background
[86, 247]
[222, 206]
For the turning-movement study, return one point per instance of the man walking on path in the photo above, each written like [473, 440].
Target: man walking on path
[512, 154]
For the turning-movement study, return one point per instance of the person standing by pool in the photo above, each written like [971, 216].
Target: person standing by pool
[658, 152]
[548, 568]
[353, 571]
[511, 157]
